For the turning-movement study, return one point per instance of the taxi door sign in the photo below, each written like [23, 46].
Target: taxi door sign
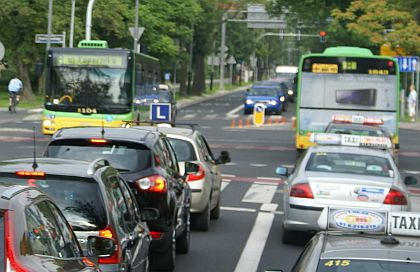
[259, 114]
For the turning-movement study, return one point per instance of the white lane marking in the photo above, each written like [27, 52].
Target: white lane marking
[260, 193]
[224, 184]
[33, 117]
[228, 176]
[411, 172]
[251, 255]
[236, 209]
[232, 113]
[210, 116]
[231, 163]
[269, 178]
[264, 182]
[188, 116]
[16, 130]
[258, 164]
[268, 207]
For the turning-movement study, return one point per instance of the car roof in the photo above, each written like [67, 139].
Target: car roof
[349, 150]
[112, 133]
[51, 166]
[183, 131]
[356, 126]
[365, 246]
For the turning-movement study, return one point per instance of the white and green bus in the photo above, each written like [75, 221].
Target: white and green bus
[94, 85]
[345, 81]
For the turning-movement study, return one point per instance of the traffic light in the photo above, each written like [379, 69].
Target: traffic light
[322, 36]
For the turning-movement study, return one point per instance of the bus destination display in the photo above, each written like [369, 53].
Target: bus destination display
[90, 60]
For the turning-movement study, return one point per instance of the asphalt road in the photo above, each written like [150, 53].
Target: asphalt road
[247, 237]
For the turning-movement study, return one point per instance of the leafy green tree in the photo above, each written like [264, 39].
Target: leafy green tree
[379, 22]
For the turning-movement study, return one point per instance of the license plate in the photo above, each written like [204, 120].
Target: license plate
[352, 140]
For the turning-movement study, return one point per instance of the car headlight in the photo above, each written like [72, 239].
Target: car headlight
[249, 101]
[290, 92]
[273, 102]
[155, 100]
[282, 99]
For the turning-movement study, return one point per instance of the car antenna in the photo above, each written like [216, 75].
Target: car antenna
[34, 164]
[103, 129]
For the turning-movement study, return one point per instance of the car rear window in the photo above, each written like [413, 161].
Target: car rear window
[377, 132]
[348, 163]
[183, 149]
[124, 156]
[352, 265]
[79, 199]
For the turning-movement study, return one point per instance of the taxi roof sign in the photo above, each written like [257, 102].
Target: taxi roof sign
[379, 222]
[351, 140]
[357, 119]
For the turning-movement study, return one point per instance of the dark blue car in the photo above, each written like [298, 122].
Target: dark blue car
[272, 97]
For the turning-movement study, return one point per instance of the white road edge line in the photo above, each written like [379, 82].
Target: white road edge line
[232, 113]
[251, 255]
[269, 178]
[228, 176]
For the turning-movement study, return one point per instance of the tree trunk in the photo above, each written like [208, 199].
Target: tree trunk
[183, 78]
[199, 85]
[23, 75]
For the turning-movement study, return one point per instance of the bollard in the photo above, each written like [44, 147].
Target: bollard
[240, 123]
[232, 123]
[248, 123]
[293, 122]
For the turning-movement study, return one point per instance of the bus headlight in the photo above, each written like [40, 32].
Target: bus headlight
[273, 102]
[249, 101]
[282, 99]
[290, 92]
[47, 123]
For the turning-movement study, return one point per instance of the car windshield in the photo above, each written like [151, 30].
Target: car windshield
[124, 156]
[183, 149]
[165, 96]
[263, 92]
[352, 265]
[79, 199]
[349, 164]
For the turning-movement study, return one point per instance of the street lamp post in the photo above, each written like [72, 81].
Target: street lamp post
[73, 6]
[136, 27]
[222, 53]
[50, 7]
[89, 19]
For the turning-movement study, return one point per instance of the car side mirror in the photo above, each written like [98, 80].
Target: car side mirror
[410, 180]
[149, 214]
[282, 171]
[100, 246]
[223, 158]
[191, 167]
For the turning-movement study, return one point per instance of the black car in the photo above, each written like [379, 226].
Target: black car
[36, 237]
[148, 162]
[95, 200]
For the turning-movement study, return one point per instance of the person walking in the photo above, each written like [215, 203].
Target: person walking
[412, 102]
[15, 87]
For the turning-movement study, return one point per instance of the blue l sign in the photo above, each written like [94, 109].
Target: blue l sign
[160, 112]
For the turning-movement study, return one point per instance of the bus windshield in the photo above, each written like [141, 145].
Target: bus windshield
[102, 88]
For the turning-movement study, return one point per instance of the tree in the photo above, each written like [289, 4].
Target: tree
[379, 22]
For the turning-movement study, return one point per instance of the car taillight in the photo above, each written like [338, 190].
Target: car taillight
[156, 234]
[116, 258]
[395, 197]
[302, 190]
[12, 261]
[155, 183]
[200, 174]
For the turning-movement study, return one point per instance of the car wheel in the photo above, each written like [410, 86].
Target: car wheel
[215, 213]
[288, 236]
[202, 220]
[164, 261]
[183, 240]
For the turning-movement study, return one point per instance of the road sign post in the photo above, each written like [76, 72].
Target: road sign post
[259, 114]
[160, 112]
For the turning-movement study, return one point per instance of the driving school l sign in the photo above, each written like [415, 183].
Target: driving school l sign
[259, 114]
[160, 112]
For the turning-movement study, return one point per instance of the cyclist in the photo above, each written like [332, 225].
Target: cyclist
[15, 87]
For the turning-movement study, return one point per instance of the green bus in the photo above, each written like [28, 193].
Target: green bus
[94, 85]
[346, 81]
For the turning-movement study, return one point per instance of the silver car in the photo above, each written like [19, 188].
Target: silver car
[204, 177]
[340, 176]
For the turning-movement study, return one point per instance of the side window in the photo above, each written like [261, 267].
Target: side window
[159, 156]
[203, 148]
[71, 248]
[44, 232]
[131, 202]
[207, 147]
[172, 161]
[121, 210]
